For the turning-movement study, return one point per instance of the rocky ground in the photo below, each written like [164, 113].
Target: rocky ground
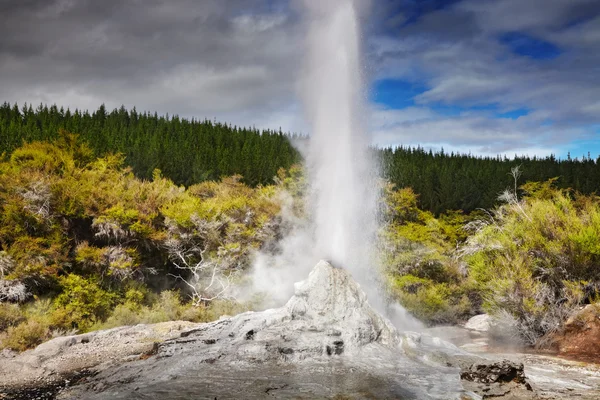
[326, 342]
[550, 376]
[580, 336]
[59, 362]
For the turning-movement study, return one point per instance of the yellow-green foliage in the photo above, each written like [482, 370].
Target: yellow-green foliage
[431, 301]
[84, 301]
[169, 307]
[294, 184]
[417, 253]
[29, 327]
[293, 181]
[25, 335]
[10, 315]
[535, 256]
[88, 236]
[90, 257]
[228, 219]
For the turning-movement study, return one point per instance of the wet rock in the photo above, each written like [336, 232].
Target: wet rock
[66, 355]
[328, 315]
[326, 341]
[499, 372]
[503, 379]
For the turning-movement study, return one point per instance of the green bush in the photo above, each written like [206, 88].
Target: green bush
[123, 314]
[10, 315]
[84, 300]
[93, 243]
[532, 258]
[430, 301]
[419, 261]
[25, 335]
[167, 308]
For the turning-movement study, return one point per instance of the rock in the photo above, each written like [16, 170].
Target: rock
[499, 372]
[580, 335]
[480, 323]
[326, 341]
[8, 353]
[64, 356]
[328, 316]
[503, 379]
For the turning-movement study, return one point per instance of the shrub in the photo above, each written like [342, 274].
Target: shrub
[418, 258]
[25, 335]
[430, 301]
[214, 310]
[13, 291]
[10, 315]
[84, 300]
[167, 308]
[123, 314]
[533, 257]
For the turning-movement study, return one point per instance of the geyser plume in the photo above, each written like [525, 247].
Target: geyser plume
[343, 197]
[343, 180]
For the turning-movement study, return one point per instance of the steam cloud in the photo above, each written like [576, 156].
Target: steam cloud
[343, 193]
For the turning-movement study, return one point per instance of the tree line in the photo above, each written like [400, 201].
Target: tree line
[187, 151]
[190, 151]
[465, 182]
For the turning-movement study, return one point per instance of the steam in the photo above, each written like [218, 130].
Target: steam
[343, 186]
[343, 197]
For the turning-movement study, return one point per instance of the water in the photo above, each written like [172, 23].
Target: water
[344, 197]
[342, 173]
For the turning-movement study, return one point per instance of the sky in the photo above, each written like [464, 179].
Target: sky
[484, 77]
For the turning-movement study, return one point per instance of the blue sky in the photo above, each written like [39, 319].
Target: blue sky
[488, 76]
[481, 76]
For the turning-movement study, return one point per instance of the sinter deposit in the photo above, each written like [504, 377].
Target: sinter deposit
[326, 341]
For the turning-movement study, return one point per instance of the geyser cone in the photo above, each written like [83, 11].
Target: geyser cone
[326, 341]
[329, 310]
[331, 298]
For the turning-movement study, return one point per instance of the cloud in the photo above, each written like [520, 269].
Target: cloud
[470, 132]
[461, 54]
[187, 57]
[238, 60]
[531, 15]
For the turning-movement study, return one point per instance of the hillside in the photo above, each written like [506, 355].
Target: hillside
[192, 151]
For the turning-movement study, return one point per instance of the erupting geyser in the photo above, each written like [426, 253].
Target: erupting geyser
[344, 196]
[342, 174]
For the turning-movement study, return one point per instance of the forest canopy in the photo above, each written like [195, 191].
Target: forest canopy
[190, 151]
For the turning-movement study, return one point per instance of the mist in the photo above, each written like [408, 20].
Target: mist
[342, 221]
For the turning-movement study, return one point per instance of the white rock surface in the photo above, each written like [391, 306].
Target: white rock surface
[64, 355]
[480, 323]
[326, 341]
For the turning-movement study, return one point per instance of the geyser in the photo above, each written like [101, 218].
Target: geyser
[342, 174]
[343, 197]
[327, 341]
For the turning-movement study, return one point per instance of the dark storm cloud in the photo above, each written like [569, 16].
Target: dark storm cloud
[190, 57]
[238, 60]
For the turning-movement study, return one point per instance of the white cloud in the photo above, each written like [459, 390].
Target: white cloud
[470, 132]
[455, 53]
[258, 23]
[238, 60]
